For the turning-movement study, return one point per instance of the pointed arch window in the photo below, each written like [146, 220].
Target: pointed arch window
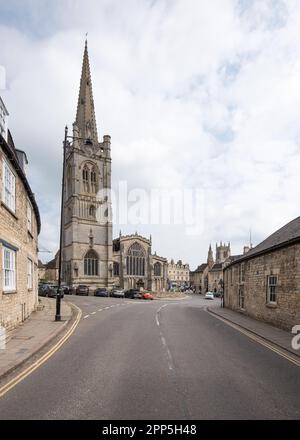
[157, 269]
[85, 179]
[92, 211]
[93, 180]
[135, 260]
[91, 263]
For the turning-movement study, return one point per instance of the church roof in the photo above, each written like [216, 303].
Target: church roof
[217, 267]
[85, 117]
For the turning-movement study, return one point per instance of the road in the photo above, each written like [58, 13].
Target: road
[131, 359]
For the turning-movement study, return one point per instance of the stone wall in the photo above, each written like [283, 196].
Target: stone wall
[283, 263]
[16, 306]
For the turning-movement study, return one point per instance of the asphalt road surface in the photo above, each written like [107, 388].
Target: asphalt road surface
[133, 359]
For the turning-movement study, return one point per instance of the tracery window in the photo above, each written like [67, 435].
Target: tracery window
[157, 269]
[135, 260]
[85, 179]
[91, 263]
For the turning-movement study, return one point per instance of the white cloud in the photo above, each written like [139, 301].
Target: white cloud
[204, 96]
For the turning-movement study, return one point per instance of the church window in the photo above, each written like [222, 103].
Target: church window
[85, 179]
[135, 260]
[116, 269]
[93, 180]
[91, 263]
[157, 269]
[92, 211]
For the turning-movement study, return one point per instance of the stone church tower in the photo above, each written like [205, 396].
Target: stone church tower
[87, 238]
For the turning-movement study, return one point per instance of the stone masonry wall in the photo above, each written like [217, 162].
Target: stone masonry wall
[285, 263]
[16, 306]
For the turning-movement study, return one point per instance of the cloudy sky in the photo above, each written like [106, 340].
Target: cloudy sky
[195, 94]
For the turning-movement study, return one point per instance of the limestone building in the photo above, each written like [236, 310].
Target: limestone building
[90, 256]
[178, 274]
[134, 265]
[209, 276]
[87, 238]
[19, 228]
[264, 283]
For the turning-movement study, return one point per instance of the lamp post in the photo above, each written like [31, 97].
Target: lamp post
[58, 295]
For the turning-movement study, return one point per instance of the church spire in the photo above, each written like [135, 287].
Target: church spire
[85, 116]
[210, 257]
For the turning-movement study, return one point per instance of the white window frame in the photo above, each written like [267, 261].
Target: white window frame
[9, 187]
[29, 273]
[272, 283]
[29, 216]
[9, 269]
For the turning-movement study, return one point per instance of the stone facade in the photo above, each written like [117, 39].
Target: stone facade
[265, 282]
[178, 274]
[19, 228]
[134, 265]
[87, 238]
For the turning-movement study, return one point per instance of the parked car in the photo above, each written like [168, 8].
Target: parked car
[147, 295]
[50, 290]
[82, 290]
[209, 295]
[67, 290]
[137, 295]
[217, 294]
[101, 291]
[117, 293]
[131, 292]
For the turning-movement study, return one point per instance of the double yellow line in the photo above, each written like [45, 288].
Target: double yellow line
[12, 383]
[258, 339]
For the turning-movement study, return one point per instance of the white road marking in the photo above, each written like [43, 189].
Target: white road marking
[93, 313]
[86, 316]
[100, 310]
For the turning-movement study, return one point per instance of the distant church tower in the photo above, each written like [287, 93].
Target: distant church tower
[87, 239]
[210, 257]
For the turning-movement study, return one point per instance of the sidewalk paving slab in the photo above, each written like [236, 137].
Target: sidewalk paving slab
[275, 335]
[32, 335]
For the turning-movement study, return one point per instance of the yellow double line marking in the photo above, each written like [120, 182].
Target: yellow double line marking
[12, 383]
[261, 341]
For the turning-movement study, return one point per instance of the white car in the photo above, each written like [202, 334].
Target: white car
[209, 295]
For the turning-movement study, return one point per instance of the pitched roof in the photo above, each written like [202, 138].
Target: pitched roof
[217, 266]
[201, 268]
[10, 151]
[285, 236]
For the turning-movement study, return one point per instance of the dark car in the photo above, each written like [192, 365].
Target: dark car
[50, 290]
[101, 291]
[131, 293]
[67, 290]
[82, 290]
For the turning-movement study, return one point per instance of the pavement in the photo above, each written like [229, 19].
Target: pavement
[266, 331]
[33, 335]
[156, 360]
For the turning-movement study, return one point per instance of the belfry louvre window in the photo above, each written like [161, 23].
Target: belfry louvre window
[9, 187]
[93, 181]
[85, 179]
[271, 289]
[135, 260]
[91, 263]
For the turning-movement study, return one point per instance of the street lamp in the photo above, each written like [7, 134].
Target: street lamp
[58, 294]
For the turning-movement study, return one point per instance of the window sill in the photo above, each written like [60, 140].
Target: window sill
[272, 305]
[9, 210]
[9, 292]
